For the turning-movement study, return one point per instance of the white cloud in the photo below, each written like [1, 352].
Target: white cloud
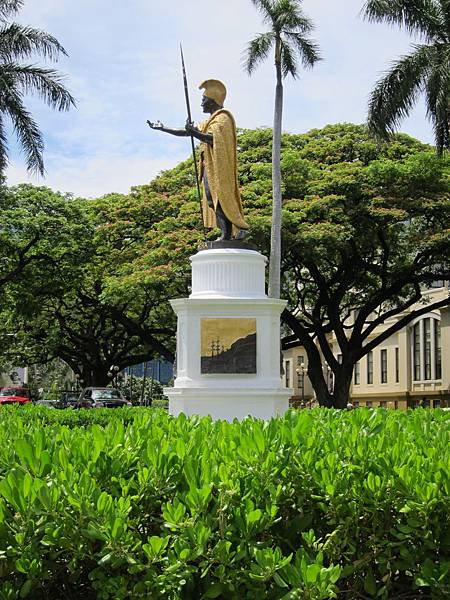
[97, 175]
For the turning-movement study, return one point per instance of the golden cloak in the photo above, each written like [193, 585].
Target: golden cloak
[220, 163]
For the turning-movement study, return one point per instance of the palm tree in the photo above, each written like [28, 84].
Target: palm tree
[288, 37]
[426, 69]
[17, 79]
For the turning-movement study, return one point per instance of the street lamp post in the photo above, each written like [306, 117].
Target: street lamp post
[116, 371]
[113, 372]
[302, 371]
[329, 377]
[130, 377]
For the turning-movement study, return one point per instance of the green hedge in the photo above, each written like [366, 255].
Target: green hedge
[132, 503]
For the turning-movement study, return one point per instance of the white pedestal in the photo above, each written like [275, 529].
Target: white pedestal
[228, 283]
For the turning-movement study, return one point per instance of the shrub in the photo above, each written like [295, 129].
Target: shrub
[133, 503]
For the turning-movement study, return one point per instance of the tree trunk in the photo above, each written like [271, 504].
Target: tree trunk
[341, 389]
[320, 386]
[275, 235]
[94, 375]
[329, 393]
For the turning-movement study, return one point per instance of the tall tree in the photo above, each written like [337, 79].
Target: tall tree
[288, 37]
[59, 259]
[363, 247]
[18, 43]
[426, 69]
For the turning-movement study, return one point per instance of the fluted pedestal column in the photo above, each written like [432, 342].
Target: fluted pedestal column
[228, 340]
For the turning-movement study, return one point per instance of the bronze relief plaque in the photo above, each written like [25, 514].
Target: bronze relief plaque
[228, 345]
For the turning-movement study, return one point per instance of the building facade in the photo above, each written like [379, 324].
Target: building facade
[158, 369]
[409, 369]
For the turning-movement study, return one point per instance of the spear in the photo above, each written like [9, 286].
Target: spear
[188, 107]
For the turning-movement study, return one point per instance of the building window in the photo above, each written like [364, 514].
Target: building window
[437, 403]
[383, 403]
[396, 404]
[300, 360]
[426, 349]
[437, 348]
[370, 367]
[383, 366]
[397, 366]
[339, 359]
[287, 373]
[369, 404]
[356, 404]
[437, 283]
[427, 334]
[416, 346]
[357, 374]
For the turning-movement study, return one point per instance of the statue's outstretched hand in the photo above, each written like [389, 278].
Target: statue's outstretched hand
[190, 129]
[155, 124]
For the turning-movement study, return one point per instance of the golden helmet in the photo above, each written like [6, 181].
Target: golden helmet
[214, 89]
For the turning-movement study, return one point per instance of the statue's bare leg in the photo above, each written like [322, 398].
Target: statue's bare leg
[223, 223]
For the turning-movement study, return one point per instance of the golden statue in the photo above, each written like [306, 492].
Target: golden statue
[221, 203]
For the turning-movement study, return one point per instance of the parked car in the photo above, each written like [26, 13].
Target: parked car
[64, 399]
[15, 395]
[47, 402]
[97, 397]
[68, 399]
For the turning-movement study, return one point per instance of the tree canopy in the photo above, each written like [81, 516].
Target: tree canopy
[57, 309]
[366, 228]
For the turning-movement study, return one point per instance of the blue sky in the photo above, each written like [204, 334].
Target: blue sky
[124, 67]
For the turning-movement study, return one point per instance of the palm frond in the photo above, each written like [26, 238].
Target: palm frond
[25, 128]
[306, 48]
[265, 7]
[17, 41]
[437, 95]
[423, 17]
[288, 60]
[288, 15]
[257, 51]
[396, 93]
[289, 25]
[9, 7]
[46, 83]
[444, 6]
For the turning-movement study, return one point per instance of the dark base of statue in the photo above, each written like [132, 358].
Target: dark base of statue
[220, 244]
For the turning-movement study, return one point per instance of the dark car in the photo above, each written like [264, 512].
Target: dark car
[15, 395]
[64, 399]
[68, 399]
[96, 397]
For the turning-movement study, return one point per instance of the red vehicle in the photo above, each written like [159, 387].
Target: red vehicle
[15, 395]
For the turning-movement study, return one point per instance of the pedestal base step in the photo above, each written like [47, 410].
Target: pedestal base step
[229, 404]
